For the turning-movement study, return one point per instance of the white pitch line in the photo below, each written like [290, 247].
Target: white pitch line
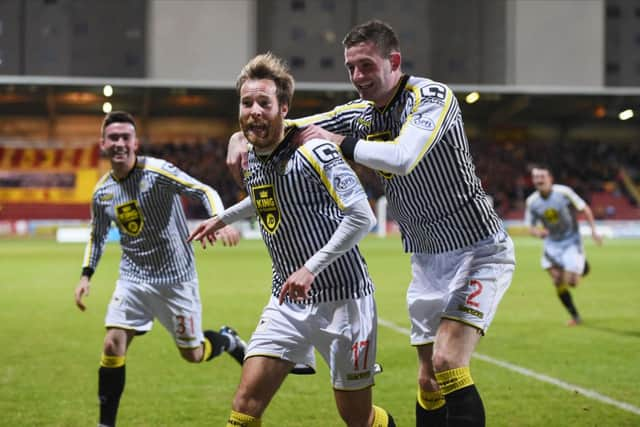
[532, 374]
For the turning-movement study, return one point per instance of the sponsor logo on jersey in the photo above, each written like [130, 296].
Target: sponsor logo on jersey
[363, 122]
[344, 182]
[327, 153]
[106, 197]
[129, 216]
[423, 122]
[144, 185]
[551, 216]
[264, 198]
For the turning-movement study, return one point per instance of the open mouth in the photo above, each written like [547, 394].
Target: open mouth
[259, 130]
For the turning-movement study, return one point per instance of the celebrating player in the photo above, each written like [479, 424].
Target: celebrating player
[410, 129]
[556, 207]
[158, 278]
[312, 211]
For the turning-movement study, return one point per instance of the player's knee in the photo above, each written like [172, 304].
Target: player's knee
[247, 404]
[427, 382]
[573, 279]
[191, 355]
[114, 346]
[353, 417]
[443, 361]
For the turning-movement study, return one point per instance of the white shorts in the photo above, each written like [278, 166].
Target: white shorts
[566, 254]
[177, 306]
[343, 332]
[465, 285]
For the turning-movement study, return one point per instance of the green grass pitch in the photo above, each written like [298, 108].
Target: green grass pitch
[50, 350]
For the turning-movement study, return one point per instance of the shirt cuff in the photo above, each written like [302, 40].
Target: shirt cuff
[348, 147]
[87, 271]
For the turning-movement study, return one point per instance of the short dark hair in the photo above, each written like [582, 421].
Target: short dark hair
[542, 166]
[378, 32]
[117, 117]
[268, 66]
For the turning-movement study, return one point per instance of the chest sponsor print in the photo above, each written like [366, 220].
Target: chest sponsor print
[264, 197]
[130, 218]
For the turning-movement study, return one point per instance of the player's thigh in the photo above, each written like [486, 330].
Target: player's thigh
[261, 378]
[454, 345]
[345, 334]
[178, 308]
[129, 307]
[427, 295]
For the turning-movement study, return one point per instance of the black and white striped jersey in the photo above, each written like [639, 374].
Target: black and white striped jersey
[418, 145]
[299, 195]
[147, 210]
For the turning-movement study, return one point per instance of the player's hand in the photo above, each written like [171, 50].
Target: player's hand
[297, 286]
[542, 233]
[237, 156]
[206, 231]
[228, 235]
[596, 237]
[82, 290]
[312, 131]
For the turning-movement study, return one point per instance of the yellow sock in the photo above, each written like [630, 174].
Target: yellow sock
[206, 353]
[111, 361]
[454, 379]
[238, 419]
[561, 289]
[430, 400]
[380, 417]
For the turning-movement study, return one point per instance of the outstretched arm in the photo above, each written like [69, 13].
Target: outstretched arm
[100, 224]
[594, 233]
[207, 230]
[82, 290]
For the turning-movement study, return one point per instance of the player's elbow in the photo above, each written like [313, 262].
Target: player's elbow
[371, 221]
[402, 163]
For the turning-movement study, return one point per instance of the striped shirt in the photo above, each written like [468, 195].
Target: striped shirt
[298, 195]
[557, 212]
[147, 209]
[418, 145]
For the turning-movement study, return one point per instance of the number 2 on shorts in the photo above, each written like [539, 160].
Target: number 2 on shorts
[474, 284]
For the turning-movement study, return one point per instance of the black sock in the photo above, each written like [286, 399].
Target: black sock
[435, 418]
[567, 301]
[464, 408]
[110, 388]
[219, 343]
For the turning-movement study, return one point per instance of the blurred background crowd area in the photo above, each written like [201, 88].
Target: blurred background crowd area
[556, 82]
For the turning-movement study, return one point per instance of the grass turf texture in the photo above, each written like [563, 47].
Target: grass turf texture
[50, 355]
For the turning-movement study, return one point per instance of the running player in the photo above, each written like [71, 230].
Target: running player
[312, 211]
[555, 207]
[410, 129]
[158, 278]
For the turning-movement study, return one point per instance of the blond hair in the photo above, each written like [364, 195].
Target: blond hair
[270, 67]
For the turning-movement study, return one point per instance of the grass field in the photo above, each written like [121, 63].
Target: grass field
[50, 354]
